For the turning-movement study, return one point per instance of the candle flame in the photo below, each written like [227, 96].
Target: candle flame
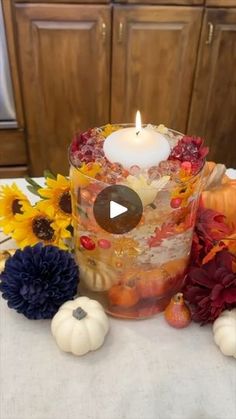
[138, 123]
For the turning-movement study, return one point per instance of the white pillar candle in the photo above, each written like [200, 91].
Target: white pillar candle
[136, 146]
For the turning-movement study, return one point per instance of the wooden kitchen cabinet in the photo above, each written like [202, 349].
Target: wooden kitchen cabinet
[213, 109]
[154, 57]
[64, 54]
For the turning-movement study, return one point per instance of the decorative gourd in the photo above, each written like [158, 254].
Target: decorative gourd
[177, 313]
[80, 326]
[224, 329]
[96, 275]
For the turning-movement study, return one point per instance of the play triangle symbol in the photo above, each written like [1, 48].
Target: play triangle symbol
[116, 209]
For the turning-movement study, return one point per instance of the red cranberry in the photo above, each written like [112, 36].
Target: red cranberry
[104, 244]
[186, 165]
[175, 202]
[87, 243]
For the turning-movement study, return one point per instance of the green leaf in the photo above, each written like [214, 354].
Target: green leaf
[81, 211]
[33, 190]
[47, 173]
[32, 183]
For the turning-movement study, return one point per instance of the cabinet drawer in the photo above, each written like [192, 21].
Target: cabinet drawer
[13, 172]
[12, 147]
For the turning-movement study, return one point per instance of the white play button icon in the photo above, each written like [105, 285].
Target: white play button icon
[116, 209]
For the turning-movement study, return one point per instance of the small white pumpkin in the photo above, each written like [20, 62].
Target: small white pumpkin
[80, 326]
[224, 329]
[96, 275]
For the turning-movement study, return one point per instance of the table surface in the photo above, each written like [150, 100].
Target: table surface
[145, 370]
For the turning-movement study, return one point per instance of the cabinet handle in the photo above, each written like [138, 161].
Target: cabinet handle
[210, 33]
[103, 31]
[120, 32]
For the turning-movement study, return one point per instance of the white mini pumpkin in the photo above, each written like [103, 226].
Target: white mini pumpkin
[96, 275]
[80, 326]
[224, 329]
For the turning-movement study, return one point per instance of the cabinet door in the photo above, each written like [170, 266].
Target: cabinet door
[213, 110]
[65, 63]
[154, 56]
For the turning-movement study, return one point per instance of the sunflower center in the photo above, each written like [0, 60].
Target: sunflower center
[16, 207]
[42, 229]
[65, 202]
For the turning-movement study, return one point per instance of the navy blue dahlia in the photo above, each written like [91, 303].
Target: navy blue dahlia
[37, 280]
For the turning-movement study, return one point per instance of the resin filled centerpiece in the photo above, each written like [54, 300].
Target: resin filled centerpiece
[135, 274]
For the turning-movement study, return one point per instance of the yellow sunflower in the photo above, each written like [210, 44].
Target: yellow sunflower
[80, 177]
[57, 197]
[36, 225]
[12, 202]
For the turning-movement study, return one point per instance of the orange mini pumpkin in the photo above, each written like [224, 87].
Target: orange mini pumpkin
[123, 295]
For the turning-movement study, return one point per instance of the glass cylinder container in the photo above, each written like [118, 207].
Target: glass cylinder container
[134, 275]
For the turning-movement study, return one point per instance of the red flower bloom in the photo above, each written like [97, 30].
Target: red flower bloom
[211, 224]
[211, 288]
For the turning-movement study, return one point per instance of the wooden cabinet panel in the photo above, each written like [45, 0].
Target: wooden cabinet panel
[213, 110]
[9, 27]
[13, 172]
[61, 1]
[12, 147]
[65, 62]
[163, 2]
[222, 3]
[154, 56]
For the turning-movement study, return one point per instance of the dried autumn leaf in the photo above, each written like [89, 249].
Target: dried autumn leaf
[164, 232]
[210, 255]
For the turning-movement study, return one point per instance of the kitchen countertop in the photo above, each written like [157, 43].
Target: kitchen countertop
[145, 370]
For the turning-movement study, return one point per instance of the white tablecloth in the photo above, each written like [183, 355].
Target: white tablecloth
[145, 370]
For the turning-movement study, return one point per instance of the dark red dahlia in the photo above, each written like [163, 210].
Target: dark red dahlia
[211, 288]
[210, 229]
[190, 149]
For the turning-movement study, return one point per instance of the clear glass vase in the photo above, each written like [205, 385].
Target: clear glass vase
[134, 275]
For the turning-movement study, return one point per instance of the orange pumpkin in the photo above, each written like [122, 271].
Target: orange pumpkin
[123, 295]
[222, 199]
[175, 267]
[151, 286]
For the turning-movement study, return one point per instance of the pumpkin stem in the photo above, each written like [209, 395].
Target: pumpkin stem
[79, 313]
[178, 298]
